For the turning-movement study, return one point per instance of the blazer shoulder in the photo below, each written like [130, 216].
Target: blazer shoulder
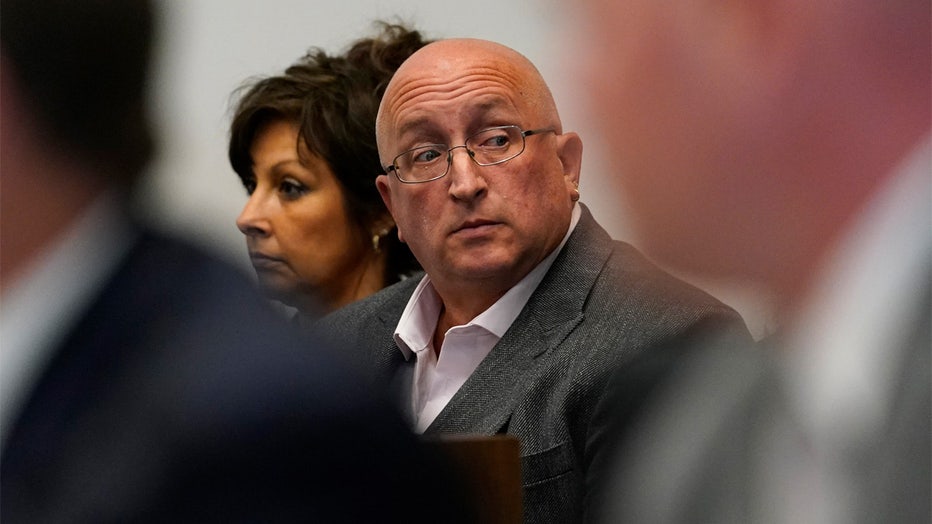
[635, 275]
[635, 300]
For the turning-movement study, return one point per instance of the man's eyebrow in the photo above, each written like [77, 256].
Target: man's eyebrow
[488, 103]
[411, 126]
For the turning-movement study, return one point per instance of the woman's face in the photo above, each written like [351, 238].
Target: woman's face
[304, 248]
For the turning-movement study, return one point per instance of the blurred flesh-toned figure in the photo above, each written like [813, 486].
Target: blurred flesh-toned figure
[785, 143]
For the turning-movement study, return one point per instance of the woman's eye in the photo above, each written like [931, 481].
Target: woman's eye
[250, 186]
[291, 189]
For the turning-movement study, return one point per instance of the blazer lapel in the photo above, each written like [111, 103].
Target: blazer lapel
[487, 399]
[388, 364]
[386, 356]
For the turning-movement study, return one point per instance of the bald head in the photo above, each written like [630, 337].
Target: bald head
[446, 62]
[476, 228]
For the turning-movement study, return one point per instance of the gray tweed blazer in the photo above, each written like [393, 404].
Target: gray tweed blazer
[600, 305]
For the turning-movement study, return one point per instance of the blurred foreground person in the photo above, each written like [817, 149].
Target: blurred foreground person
[786, 143]
[303, 144]
[142, 380]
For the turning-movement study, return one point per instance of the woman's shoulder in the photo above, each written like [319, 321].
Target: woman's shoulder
[383, 306]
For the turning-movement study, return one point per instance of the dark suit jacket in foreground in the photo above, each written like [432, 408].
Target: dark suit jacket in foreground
[179, 397]
[599, 306]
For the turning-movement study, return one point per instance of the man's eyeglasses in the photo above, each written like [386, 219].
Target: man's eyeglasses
[488, 147]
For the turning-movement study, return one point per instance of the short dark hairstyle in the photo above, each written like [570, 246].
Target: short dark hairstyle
[82, 66]
[334, 99]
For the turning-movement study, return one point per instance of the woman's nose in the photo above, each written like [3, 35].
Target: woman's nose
[252, 221]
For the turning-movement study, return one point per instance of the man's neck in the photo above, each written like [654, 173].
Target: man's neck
[457, 313]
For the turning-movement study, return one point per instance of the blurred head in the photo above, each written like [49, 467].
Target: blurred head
[478, 229]
[303, 145]
[81, 67]
[74, 122]
[747, 134]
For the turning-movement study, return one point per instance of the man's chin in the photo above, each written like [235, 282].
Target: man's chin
[485, 269]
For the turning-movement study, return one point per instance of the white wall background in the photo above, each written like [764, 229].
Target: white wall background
[209, 47]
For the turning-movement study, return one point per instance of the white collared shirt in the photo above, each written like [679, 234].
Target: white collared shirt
[44, 303]
[464, 347]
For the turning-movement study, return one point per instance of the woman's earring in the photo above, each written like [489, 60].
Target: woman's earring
[377, 240]
[575, 198]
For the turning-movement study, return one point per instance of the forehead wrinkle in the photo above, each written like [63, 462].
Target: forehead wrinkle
[477, 91]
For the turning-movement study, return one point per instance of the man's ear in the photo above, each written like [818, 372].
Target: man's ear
[569, 151]
[385, 190]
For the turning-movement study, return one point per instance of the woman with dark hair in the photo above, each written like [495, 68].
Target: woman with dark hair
[303, 144]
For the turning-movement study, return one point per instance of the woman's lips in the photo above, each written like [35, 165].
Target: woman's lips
[263, 261]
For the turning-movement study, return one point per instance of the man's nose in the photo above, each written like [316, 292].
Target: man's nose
[466, 182]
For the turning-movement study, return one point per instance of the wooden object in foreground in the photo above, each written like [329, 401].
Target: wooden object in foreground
[490, 469]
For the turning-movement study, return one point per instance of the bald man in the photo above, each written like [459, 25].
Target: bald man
[527, 304]
[786, 143]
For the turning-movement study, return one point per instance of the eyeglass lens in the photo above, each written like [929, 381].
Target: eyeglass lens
[487, 147]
